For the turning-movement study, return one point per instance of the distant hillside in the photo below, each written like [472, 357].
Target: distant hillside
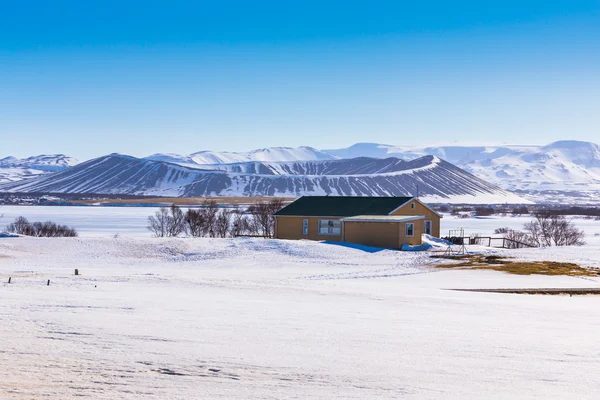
[15, 169]
[436, 180]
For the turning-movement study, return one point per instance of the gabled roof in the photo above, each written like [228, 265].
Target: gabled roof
[341, 206]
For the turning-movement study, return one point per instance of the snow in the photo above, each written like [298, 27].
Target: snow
[254, 318]
[14, 169]
[564, 170]
[272, 154]
[485, 226]
[567, 166]
[90, 221]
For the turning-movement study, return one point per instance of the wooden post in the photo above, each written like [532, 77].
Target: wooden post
[76, 271]
[48, 284]
[9, 278]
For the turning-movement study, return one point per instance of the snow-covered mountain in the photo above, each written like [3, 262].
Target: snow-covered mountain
[561, 171]
[564, 165]
[15, 169]
[569, 167]
[272, 154]
[437, 180]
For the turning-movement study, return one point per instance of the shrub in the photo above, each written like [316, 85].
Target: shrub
[484, 211]
[22, 226]
[520, 210]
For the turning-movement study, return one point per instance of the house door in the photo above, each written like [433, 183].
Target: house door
[428, 227]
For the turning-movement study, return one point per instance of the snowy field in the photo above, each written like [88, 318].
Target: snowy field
[266, 319]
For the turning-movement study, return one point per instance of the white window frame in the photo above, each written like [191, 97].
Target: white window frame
[430, 227]
[305, 227]
[330, 227]
[406, 229]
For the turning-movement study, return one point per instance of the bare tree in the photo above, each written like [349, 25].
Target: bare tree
[210, 210]
[240, 224]
[516, 239]
[195, 222]
[158, 224]
[548, 229]
[262, 215]
[167, 222]
[222, 223]
[176, 222]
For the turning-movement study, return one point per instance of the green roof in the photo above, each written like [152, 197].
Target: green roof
[341, 206]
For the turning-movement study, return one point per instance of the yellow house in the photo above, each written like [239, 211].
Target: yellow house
[387, 222]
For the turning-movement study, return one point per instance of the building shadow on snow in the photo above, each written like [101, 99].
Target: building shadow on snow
[366, 249]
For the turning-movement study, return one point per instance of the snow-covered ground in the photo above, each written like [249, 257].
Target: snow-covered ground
[264, 319]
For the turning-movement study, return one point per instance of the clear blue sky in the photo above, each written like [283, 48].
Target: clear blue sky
[88, 78]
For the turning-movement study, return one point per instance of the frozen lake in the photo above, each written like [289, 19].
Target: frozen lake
[89, 221]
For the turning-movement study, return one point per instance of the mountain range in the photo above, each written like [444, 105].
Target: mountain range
[15, 169]
[564, 170]
[436, 180]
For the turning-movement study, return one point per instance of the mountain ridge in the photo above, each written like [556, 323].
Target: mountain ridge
[118, 174]
[568, 167]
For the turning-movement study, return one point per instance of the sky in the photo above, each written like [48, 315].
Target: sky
[88, 78]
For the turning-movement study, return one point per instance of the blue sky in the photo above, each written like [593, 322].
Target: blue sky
[88, 78]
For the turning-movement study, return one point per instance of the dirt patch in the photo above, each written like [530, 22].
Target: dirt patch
[505, 264]
[183, 201]
[539, 291]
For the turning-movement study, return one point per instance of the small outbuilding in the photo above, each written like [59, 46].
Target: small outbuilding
[387, 222]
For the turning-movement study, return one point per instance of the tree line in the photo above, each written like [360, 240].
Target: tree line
[211, 221]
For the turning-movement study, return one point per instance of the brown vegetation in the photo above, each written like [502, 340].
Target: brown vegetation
[499, 263]
[545, 291]
[185, 201]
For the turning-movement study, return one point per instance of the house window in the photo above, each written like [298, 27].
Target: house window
[410, 229]
[305, 227]
[329, 227]
[412, 205]
[428, 227]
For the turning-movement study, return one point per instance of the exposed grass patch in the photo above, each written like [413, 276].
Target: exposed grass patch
[499, 263]
[542, 291]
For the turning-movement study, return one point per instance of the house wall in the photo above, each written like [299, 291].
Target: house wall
[376, 234]
[420, 209]
[416, 239]
[391, 235]
[291, 228]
